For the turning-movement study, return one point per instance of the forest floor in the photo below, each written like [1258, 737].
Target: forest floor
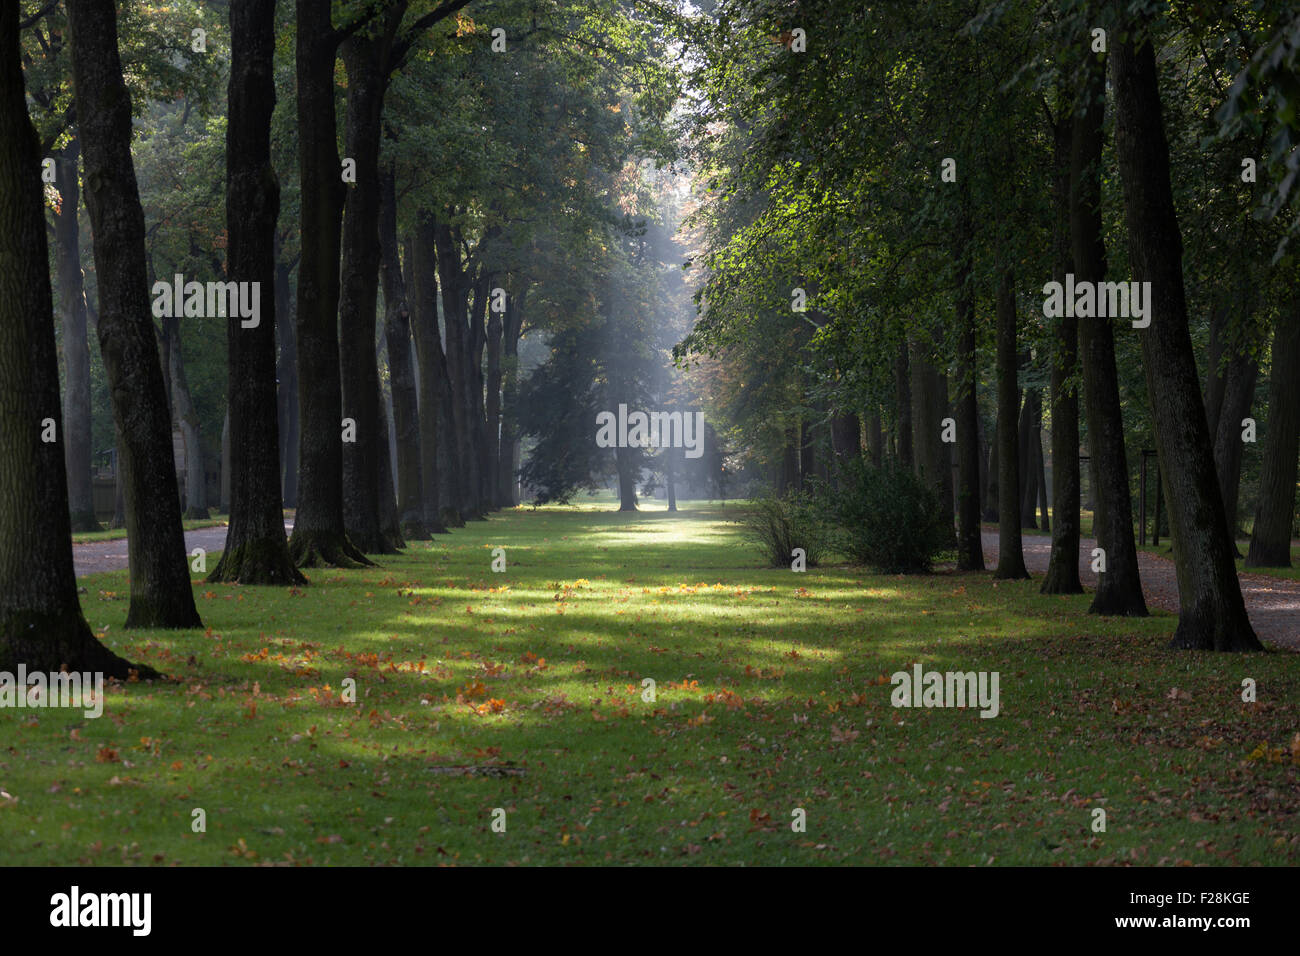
[1273, 603]
[518, 697]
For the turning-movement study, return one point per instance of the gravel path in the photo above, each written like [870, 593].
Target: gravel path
[1273, 603]
[112, 555]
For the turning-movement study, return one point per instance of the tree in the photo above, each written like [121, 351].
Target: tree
[1119, 588]
[1270, 540]
[160, 586]
[41, 624]
[319, 535]
[1212, 612]
[256, 550]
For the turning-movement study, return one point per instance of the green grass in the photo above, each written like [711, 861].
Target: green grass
[773, 695]
[114, 534]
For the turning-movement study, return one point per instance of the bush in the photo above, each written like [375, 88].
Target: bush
[779, 525]
[888, 519]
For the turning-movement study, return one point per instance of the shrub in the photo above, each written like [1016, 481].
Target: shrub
[888, 518]
[779, 525]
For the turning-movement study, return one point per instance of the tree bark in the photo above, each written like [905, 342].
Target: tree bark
[397, 339]
[1213, 613]
[1270, 540]
[1119, 588]
[161, 595]
[903, 401]
[970, 543]
[1031, 418]
[1063, 566]
[287, 378]
[256, 550]
[76, 350]
[319, 534]
[508, 469]
[428, 353]
[1011, 556]
[186, 417]
[365, 59]
[495, 329]
[627, 475]
[41, 624]
[1238, 393]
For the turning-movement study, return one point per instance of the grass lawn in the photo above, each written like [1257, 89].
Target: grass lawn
[523, 691]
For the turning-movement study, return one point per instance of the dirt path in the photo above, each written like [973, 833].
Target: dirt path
[1273, 603]
[112, 555]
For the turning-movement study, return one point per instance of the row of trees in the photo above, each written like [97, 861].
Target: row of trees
[489, 176]
[889, 195]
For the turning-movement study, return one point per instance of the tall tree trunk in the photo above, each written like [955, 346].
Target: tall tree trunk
[77, 452]
[1119, 588]
[319, 535]
[1213, 614]
[1031, 417]
[970, 544]
[1011, 556]
[670, 478]
[41, 624]
[428, 353]
[390, 524]
[364, 58]
[161, 595]
[1238, 393]
[509, 465]
[456, 286]
[397, 339]
[903, 403]
[256, 550]
[225, 462]
[1063, 566]
[186, 417]
[495, 328]
[991, 491]
[287, 377]
[627, 475]
[926, 437]
[1270, 541]
[1044, 519]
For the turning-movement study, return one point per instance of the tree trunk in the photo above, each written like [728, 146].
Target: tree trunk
[319, 535]
[991, 491]
[1238, 393]
[364, 58]
[161, 595]
[428, 353]
[495, 329]
[903, 401]
[1011, 557]
[76, 351]
[287, 377]
[970, 544]
[925, 418]
[509, 460]
[256, 550]
[225, 462]
[1063, 566]
[1031, 417]
[41, 624]
[1119, 588]
[670, 478]
[397, 339]
[1213, 614]
[627, 475]
[187, 419]
[1270, 541]
[1044, 519]
[455, 287]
